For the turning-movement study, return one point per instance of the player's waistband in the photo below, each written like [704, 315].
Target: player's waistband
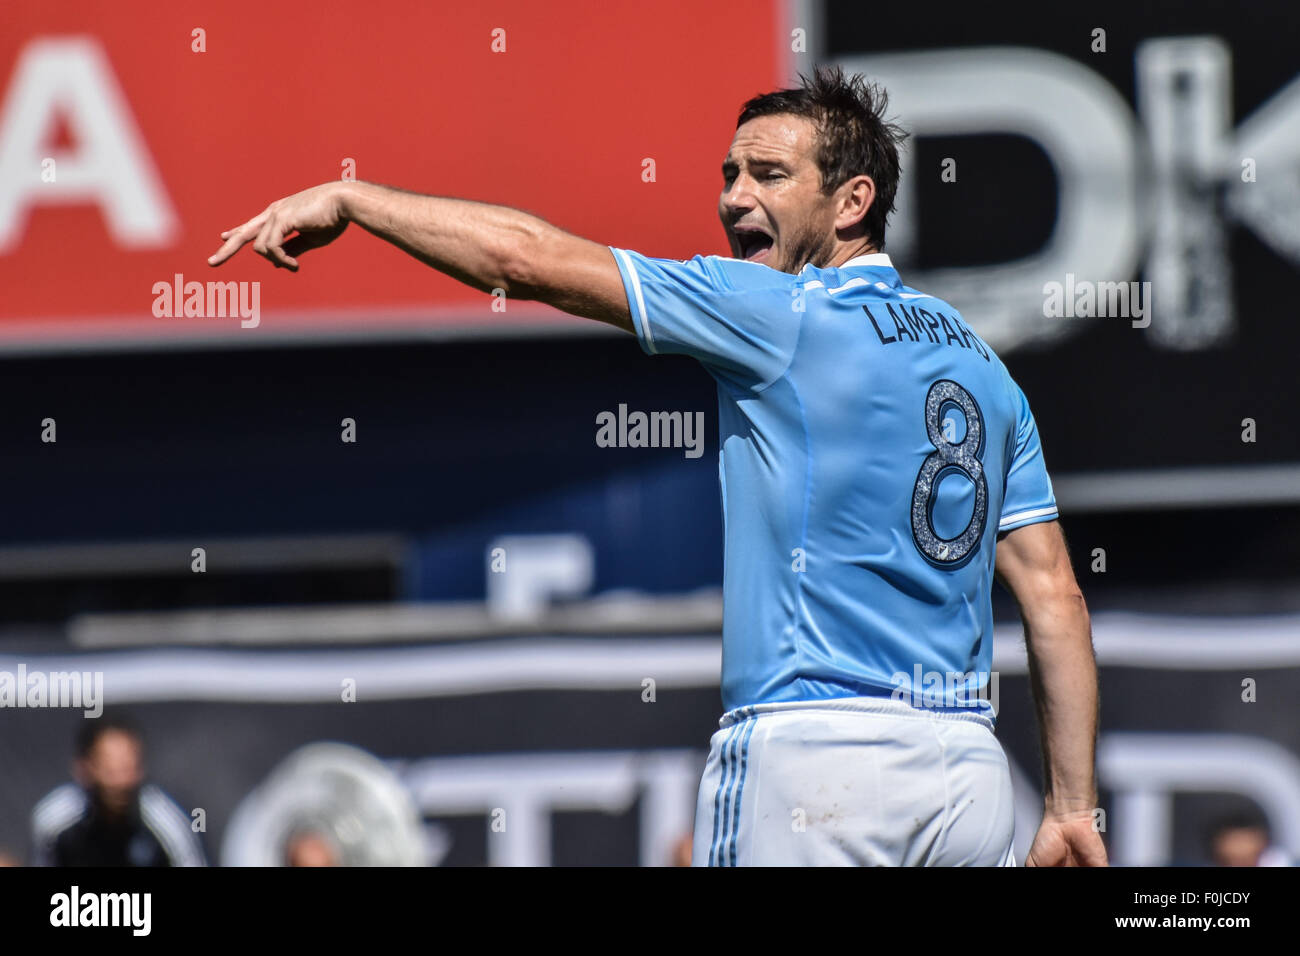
[883, 706]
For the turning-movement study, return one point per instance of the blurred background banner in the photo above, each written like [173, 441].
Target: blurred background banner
[586, 749]
[132, 135]
[387, 489]
[1112, 197]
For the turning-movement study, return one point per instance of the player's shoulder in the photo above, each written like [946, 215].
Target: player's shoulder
[720, 273]
[920, 299]
[154, 799]
[743, 275]
[170, 825]
[59, 809]
[950, 315]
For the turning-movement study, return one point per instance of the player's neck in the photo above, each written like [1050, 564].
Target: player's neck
[850, 250]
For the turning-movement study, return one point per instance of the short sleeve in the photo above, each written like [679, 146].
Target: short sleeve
[740, 318]
[1029, 497]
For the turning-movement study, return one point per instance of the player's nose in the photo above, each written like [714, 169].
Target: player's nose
[733, 206]
[738, 197]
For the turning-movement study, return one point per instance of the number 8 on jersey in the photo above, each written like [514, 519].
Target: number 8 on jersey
[949, 457]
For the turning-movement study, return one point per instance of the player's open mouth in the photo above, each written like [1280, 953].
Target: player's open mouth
[754, 244]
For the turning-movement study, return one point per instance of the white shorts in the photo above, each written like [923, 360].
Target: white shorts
[857, 781]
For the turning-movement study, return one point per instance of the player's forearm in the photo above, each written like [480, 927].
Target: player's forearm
[480, 244]
[1063, 672]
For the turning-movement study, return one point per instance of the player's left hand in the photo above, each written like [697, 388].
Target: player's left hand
[316, 214]
[1067, 839]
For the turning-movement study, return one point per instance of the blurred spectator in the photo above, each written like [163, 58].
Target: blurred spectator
[111, 816]
[682, 850]
[1244, 840]
[310, 848]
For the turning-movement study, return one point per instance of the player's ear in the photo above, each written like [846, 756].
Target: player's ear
[853, 199]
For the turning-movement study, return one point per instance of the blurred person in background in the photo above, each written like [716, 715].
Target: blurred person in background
[310, 848]
[682, 850]
[111, 816]
[1245, 840]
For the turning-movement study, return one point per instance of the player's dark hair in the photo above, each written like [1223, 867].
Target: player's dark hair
[853, 136]
[92, 729]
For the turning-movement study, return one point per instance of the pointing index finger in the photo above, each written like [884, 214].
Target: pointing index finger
[235, 238]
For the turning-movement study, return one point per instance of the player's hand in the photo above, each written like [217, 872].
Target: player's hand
[316, 214]
[1067, 839]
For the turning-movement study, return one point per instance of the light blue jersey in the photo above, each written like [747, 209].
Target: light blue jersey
[872, 448]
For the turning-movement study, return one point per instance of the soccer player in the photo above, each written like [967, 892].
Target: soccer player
[878, 466]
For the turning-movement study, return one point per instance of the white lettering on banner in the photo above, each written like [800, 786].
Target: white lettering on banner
[110, 166]
[1143, 772]
[1184, 150]
[531, 787]
[537, 569]
[1181, 146]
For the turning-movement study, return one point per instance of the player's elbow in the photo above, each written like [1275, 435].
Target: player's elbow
[1075, 606]
[523, 258]
[1056, 610]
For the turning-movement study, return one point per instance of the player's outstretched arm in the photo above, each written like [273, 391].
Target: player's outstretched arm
[1034, 564]
[486, 246]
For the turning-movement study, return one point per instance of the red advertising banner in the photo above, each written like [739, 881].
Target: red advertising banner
[132, 134]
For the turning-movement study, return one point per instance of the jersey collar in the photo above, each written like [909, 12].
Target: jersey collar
[877, 259]
[870, 259]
